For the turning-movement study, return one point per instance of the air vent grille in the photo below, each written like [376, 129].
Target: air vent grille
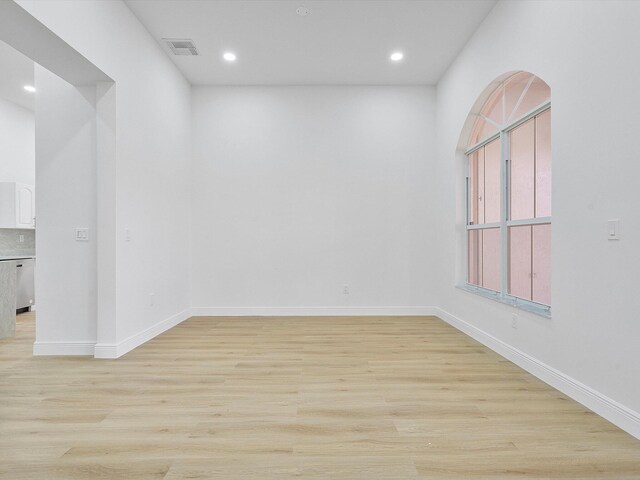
[181, 46]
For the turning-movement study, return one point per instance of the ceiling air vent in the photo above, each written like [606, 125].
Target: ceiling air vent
[181, 46]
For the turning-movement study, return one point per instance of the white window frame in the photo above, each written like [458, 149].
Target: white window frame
[504, 134]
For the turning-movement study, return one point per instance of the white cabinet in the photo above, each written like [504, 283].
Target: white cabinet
[17, 205]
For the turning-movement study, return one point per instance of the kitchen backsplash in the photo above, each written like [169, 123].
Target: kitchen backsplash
[10, 243]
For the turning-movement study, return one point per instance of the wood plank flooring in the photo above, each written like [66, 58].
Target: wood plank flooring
[282, 398]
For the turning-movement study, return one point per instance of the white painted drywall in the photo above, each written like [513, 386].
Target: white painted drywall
[17, 144]
[584, 51]
[153, 155]
[298, 191]
[66, 199]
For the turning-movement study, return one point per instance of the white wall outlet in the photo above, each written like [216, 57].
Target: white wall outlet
[345, 289]
[82, 234]
[152, 299]
[514, 321]
[21, 239]
[127, 235]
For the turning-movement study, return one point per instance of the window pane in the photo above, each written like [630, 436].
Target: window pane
[481, 185]
[492, 109]
[514, 87]
[538, 93]
[473, 188]
[491, 258]
[492, 182]
[542, 264]
[478, 126]
[521, 190]
[520, 261]
[483, 258]
[481, 130]
[474, 257]
[543, 164]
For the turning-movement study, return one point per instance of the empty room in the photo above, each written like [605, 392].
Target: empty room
[322, 239]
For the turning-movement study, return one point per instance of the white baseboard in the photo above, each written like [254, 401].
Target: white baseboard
[116, 350]
[309, 311]
[621, 416]
[63, 348]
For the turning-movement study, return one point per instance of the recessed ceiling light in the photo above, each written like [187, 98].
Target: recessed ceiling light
[303, 11]
[397, 56]
[30, 88]
[229, 57]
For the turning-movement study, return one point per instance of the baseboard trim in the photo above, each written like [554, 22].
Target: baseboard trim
[309, 311]
[62, 348]
[116, 350]
[621, 416]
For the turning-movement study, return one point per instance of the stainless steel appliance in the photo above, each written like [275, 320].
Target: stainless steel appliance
[25, 284]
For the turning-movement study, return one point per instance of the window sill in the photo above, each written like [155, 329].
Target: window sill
[519, 303]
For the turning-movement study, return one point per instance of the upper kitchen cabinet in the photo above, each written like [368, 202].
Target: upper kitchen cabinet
[17, 205]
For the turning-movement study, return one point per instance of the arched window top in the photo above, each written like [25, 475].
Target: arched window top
[506, 101]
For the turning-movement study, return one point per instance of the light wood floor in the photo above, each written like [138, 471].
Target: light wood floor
[280, 398]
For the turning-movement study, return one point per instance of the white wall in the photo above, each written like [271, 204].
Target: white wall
[584, 51]
[152, 168]
[17, 144]
[66, 199]
[300, 190]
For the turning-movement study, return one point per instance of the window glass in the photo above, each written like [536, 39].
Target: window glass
[474, 257]
[514, 89]
[522, 164]
[491, 258]
[524, 153]
[542, 264]
[473, 186]
[520, 261]
[493, 109]
[543, 164]
[492, 182]
[537, 93]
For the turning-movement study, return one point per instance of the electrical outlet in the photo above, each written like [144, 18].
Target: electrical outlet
[345, 289]
[21, 239]
[127, 235]
[514, 321]
[152, 299]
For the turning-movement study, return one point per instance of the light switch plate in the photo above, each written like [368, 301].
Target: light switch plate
[82, 234]
[613, 229]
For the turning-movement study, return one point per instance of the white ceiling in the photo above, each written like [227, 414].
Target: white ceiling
[16, 71]
[340, 42]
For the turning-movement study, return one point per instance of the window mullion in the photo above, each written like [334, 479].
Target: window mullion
[504, 208]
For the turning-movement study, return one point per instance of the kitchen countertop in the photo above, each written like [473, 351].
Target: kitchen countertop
[15, 257]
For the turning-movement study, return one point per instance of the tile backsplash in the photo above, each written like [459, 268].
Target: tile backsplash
[10, 243]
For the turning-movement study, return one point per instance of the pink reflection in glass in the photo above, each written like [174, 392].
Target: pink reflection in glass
[492, 182]
[543, 164]
[492, 109]
[520, 261]
[491, 258]
[542, 264]
[474, 257]
[538, 93]
[514, 87]
[472, 192]
[522, 179]
[481, 198]
[481, 130]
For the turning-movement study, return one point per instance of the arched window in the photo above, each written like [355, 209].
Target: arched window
[509, 193]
